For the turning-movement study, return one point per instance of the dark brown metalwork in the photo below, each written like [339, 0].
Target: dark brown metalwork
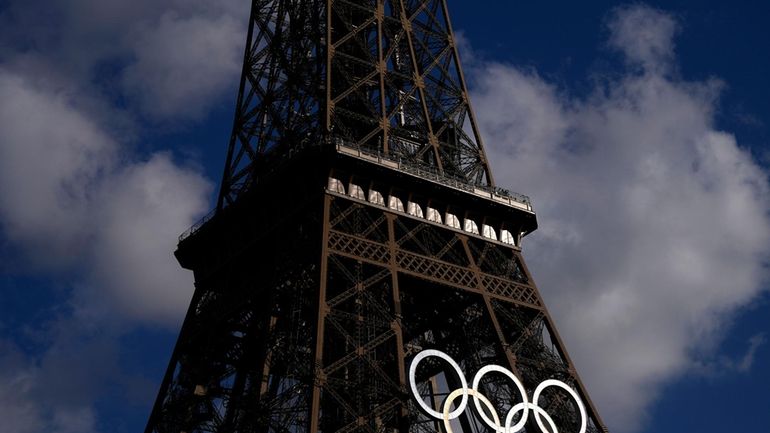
[357, 225]
[379, 75]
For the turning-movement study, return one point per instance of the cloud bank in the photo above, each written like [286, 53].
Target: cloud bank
[166, 60]
[84, 202]
[69, 198]
[80, 208]
[654, 224]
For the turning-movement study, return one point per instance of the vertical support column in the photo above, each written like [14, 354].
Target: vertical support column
[471, 114]
[323, 309]
[227, 174]
[437, 425]
[420, 84]
[329, 55]
[393, 247]
[266, 361]
[381, 70]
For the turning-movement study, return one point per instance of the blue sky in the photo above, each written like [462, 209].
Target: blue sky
[639, 130]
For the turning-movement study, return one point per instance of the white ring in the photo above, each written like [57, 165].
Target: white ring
[412, 383]
[559, 384]
[453, 395]
[477, 378]
[525, 406]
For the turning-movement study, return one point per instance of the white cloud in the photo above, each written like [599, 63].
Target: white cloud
[70, 197]
[23, 408]
[19, 412]
[755, 342]
[144, 208]
[51, 156]
[644, 35]
[183, 63]
[171, 59]
[725, 365]
[80, 207]
[82, 420]
[654, 224]
[75, 200]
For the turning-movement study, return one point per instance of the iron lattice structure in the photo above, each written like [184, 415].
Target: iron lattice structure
[357, 225]
[382, 76]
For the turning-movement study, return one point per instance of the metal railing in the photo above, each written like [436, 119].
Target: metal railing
[198, 224]
[492, 192]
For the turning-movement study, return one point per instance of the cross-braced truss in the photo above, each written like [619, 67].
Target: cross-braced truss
[310, 302]
[309, 339]
[380, 75]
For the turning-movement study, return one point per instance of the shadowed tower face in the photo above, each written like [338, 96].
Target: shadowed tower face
[361, 264]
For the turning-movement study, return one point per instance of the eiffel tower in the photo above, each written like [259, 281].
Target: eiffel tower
[358, 225]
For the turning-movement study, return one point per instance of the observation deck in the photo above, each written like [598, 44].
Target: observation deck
[496, 194]
[401, 167]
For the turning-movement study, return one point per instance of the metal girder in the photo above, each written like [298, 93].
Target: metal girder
[323, 343]
[381, 75]
[309, 303]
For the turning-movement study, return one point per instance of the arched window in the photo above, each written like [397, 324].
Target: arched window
[395, 204]
[376, 198]
[470, 226]
[434, 215]
[414, 209]
[506, 237]
[357, 192]
[488, 232]
[452, 221]
[336, 185]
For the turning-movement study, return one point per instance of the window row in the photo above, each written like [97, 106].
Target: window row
[414, 209]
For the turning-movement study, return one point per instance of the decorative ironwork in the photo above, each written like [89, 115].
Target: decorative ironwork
[311, 302]
[382, 75]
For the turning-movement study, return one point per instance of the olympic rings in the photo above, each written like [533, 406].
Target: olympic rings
[476, 396]
[496, 368]
[524, 406]
[413, 369]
